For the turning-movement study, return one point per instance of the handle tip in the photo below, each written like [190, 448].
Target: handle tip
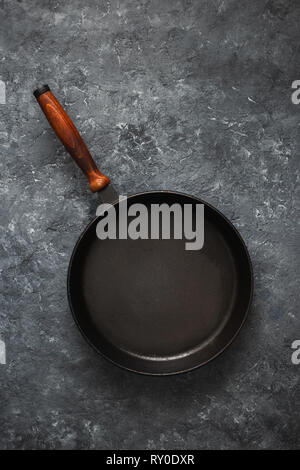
[39, 91]
[98, 181]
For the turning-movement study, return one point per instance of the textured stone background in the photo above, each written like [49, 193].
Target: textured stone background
[187, 95]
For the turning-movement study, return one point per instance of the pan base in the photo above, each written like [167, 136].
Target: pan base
[153, 306]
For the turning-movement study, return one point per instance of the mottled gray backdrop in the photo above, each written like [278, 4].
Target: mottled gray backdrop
[193, 96]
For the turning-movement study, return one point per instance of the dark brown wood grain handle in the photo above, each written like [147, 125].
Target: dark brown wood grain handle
[70, 137]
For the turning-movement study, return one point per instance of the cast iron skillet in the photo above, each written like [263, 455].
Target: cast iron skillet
[151, 306]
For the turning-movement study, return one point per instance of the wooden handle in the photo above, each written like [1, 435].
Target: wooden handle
[70, 137]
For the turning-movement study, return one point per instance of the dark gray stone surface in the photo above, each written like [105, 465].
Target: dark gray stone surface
[193, 96]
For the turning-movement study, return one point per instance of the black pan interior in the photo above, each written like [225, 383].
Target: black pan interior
[153, 307]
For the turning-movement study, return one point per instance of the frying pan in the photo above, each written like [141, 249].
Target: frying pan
[151, 306]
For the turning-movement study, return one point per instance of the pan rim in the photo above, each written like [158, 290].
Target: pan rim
[185, 370]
